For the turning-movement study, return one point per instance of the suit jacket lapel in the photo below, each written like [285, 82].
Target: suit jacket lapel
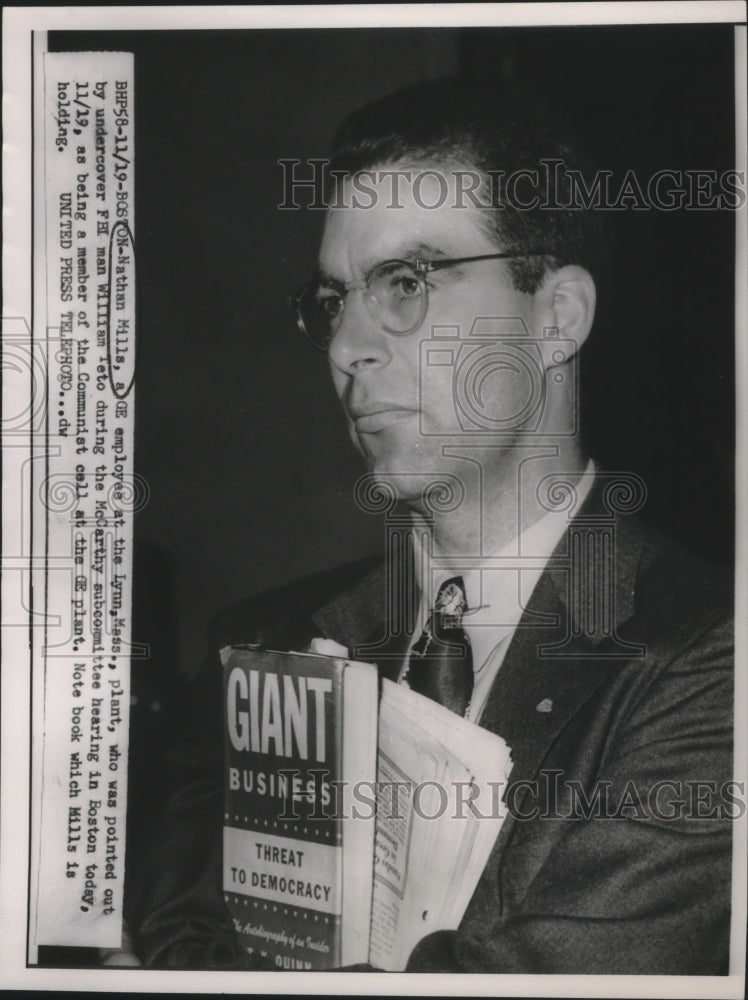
[551, 671]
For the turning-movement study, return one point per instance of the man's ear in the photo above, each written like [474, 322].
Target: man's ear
[566, 300]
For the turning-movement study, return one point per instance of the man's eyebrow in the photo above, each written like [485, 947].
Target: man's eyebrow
[322, 277]
[410, 252]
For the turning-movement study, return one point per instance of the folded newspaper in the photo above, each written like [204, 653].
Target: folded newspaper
[431, 846]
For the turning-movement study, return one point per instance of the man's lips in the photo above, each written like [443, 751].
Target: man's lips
[375, 418]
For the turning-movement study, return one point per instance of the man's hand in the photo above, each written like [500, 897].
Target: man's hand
[328, 647]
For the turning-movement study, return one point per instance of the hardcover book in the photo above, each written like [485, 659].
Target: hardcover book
[301, 732]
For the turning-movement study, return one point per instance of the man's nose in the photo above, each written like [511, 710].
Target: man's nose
[358, 342]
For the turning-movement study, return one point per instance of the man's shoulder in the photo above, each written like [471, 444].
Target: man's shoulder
[677, 593]
[674, 571]
[658, 569]
[279, 616]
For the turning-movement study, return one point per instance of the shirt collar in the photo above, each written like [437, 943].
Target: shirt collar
[497, 587]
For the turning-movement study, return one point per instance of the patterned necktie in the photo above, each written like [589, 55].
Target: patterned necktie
[441, 661]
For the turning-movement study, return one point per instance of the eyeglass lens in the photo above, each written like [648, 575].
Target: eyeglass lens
[395, 297]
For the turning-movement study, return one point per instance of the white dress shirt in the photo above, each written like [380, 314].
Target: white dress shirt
[497, 590]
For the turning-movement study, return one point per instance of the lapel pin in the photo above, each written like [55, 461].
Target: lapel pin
[545, 706]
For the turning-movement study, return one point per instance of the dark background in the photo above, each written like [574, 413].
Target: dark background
[237, 428]
[238, 432]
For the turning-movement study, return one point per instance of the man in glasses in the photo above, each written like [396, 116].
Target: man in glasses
[452, 298]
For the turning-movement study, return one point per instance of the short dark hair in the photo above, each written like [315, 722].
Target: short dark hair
[489, 130]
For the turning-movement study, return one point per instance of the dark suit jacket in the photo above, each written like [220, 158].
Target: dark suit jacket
[638, 696]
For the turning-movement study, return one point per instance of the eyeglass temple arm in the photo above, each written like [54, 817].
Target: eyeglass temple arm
[435, 265]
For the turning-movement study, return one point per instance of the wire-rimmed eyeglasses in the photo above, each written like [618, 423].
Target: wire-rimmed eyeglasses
[395, 294]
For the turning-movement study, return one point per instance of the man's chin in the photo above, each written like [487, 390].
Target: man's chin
[407, 474]
[389, 484]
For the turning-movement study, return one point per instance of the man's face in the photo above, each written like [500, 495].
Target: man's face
[400, 417]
